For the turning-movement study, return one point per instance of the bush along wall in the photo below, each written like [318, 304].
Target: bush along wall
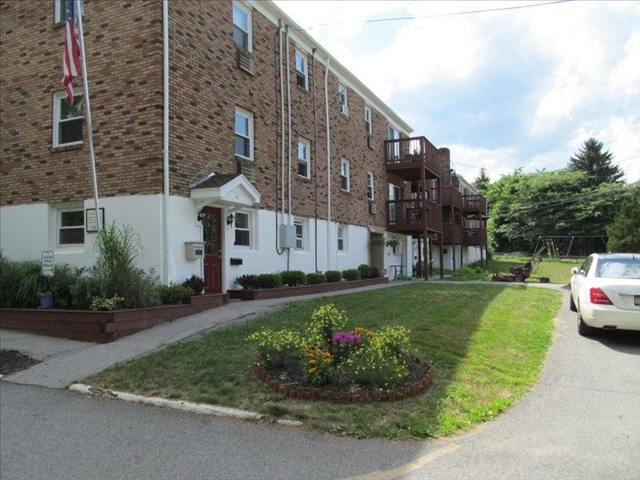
[296, 278]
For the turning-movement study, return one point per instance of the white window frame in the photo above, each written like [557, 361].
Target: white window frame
[341, 238]
[59, 213]
[58, 11]
[343, 99]
[307, 157]
[368, 119]
[300, 226]
[248, 229]
[304, 73]
[394, 134]
[371, 186]
[249, 117]
[249, 31]
[57, 98]
[345, 172]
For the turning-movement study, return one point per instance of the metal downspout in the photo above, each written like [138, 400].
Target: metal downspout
[165, 148]
[326, 110]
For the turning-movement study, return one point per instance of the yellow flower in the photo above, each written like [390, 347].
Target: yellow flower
[311, 362]
[311, 370]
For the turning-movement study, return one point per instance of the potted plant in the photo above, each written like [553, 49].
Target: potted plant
[46, 299]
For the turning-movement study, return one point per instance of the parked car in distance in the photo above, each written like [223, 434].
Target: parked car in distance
[605, 291]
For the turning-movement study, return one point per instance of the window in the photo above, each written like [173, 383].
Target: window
[244, 134]
[341, 242]
[345, 181]
[303, 158]
[71, 226]
[302, 71]
[343, 99]
[299, 234]
[58, 11]
[394, 148]
[368, 120]
[243, 232]
[242, 27]
[370, 183]
[67, 119]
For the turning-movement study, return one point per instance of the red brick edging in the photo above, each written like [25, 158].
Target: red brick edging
[362, 396]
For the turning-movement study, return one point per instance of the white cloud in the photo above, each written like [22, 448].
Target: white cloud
[468, 161]
[625, 77]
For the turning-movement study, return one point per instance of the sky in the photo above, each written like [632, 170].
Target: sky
[506, 89]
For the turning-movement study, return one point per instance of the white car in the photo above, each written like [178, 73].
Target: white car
[605, 291]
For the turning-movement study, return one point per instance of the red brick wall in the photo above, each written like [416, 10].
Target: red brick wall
[124, 53]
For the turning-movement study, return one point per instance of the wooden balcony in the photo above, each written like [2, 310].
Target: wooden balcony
[474, 236]
[452, 234]
[451, 197]
[408, 157]
[406, 216]
[474, 204]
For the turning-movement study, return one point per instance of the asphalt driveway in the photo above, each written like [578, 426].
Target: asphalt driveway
[582, 421]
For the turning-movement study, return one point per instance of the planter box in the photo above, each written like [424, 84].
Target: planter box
[101, 326]
[303, 289]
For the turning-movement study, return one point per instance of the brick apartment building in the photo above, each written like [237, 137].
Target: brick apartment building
[263, 148]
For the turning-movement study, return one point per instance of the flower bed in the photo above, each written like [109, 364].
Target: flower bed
[263, 294]
[327, 363]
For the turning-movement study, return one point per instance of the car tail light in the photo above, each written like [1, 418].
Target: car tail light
[597, 296]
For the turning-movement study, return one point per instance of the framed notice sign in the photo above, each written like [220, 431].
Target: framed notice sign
[91, 221]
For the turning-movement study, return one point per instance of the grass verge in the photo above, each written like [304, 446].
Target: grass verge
[486, 344]
[558, 271]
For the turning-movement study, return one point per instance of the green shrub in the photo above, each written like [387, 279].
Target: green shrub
[274, 347]
[21, 283]
[248, 282]
[64, 278]
[195, 283]
[174, 294]
[293, 278]
[333, 276]
[100, 304]
[375, 272]
[365, 270]
[375, 365]
[318, 365]
[316, 278]
[269, 280]
[351, 274]
[84, 290]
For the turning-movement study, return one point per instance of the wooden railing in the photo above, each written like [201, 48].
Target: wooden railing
[474, 236]
[407, 215]
[451, 197]
[452, 234]
[412, 153]
[474, 203]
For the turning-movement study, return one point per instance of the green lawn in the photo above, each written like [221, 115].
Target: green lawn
[558, 271]
[486, 344]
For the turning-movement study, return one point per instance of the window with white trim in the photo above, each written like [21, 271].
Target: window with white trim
[242, 27]
[299, 224]
[242, 230]
[343, 99]
[304, 149]
[395, 146]
[341, 239]
[345, 175]
[243, 143]
[302, 70]
[70, 226]
[368, 120]
[67, 119]
[370, 184]
[58, 11]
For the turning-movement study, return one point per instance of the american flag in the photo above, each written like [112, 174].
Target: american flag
[72, 66]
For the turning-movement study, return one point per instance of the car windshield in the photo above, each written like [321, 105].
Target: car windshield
[619, 268]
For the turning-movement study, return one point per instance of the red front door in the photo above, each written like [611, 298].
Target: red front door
[211, 230]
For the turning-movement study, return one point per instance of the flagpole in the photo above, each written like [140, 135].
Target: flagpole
[85, 83]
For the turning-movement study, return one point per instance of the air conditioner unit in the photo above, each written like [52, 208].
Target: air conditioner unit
[344, 109]
[244, 59]
[373, 208]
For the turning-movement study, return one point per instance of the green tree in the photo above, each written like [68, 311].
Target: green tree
[624, 232]
[596, 164]
[482, 181]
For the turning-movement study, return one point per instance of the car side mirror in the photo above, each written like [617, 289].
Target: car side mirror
[574, 270]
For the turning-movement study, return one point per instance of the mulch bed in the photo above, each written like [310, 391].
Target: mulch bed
[12, 361]
[290, 381]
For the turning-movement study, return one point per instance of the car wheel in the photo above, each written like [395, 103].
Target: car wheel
[584, 329]
[572, 304]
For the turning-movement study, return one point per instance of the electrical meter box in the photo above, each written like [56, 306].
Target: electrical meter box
[194, 250]
[287, 236]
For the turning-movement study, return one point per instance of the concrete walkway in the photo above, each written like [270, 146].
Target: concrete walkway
[67, 361]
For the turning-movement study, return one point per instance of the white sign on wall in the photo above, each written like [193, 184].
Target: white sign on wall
[92, 221]
[48, 263]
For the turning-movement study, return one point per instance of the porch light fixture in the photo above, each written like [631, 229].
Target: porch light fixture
[200, 215]
[230, 219]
